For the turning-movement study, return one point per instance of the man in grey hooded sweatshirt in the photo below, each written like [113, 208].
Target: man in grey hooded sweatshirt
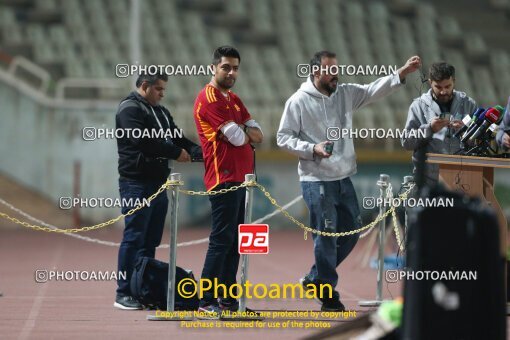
[439, 114]
[322, 102]
[503, 135]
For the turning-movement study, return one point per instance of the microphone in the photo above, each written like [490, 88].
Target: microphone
[472, 128]
[491, 117]
[492, 129]
[501, 109]
[468, 120]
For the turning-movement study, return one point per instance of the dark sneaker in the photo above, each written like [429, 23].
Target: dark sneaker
[332, 304]
[209, 312]
[306, 282]
[127, 303]
[309, 285]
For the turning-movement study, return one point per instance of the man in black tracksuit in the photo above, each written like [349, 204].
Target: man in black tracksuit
[145, 155]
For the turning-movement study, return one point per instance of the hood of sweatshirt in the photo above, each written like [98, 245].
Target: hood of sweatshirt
[309, 88]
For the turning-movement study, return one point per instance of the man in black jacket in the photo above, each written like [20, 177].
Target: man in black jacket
[150, 140]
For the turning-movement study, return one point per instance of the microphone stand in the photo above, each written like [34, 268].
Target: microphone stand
[483, 149]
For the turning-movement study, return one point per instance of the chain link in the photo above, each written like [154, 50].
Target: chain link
[169, 183]
[394, 218]
[217, 192]
[164, 187]
[397, 231]
[96, 226]
[389, 196]
[308, 229]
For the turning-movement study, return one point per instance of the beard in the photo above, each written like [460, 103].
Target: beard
[444, 99]
[227, 83]
[329, 86]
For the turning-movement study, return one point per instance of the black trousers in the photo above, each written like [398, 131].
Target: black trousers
[222, 258]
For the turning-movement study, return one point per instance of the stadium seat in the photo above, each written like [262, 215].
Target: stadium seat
[7, 17]
[500, 60]
[475, 46]
[45, 53]
[484, 86]
[462, 76]
[35, 33]
[500, 4]
[261, 16]
[46, 5]
[450, 31]
[93, 36]
[237, 9]
[75, 70]
[12, 34]
[404, 41]
[379, 27]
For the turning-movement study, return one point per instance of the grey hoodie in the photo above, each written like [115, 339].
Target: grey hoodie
[421, 112]
[307, 116]
[505, 125]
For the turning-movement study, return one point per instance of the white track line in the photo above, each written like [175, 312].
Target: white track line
[38, 300]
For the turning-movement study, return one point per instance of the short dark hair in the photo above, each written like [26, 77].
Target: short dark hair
[227, 52]
[441, 71]
[151, 79]
[317, 59]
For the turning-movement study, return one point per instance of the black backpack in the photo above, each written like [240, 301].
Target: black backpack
[149, 285]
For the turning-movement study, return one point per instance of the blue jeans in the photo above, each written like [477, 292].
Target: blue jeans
[333, 207]
[222, 258]
[143, 229]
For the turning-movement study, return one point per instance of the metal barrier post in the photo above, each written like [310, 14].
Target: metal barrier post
[76, 190]
[383, 184]
[248, 207]
[170, 300]
[174, 206]
[407, 181]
